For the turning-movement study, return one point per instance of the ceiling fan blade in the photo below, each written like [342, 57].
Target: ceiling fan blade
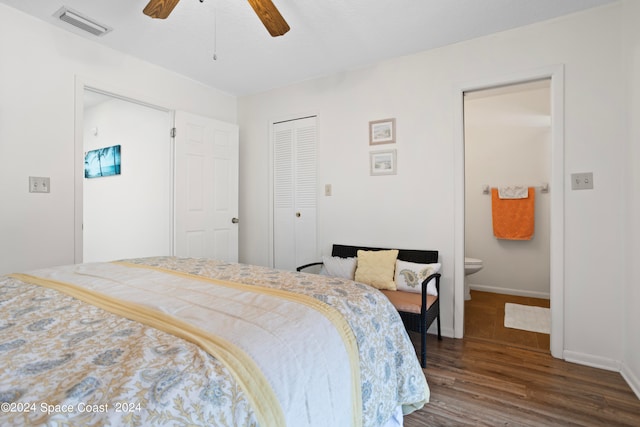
[160, 8]
[270, 17]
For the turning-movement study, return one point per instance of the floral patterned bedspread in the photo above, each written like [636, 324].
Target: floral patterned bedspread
[65, 362]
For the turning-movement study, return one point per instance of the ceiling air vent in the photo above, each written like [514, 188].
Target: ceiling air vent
[82, 22]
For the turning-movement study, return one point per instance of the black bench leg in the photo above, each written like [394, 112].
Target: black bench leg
[423, 346]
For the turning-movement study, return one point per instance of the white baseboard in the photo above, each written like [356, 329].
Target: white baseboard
[631, 379]
[518, 292]
[593, 361]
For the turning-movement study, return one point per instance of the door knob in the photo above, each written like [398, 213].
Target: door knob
[235, 220]
[298, 214]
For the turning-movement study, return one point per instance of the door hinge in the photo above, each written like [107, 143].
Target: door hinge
[172, 132]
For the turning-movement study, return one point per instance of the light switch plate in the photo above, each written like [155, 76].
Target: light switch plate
[39, 184]
[582, 181]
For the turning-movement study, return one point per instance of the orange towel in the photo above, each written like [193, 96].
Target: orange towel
[513, 219]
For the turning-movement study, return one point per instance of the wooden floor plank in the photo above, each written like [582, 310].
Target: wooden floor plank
[484, 318]
[503, 376]
[481, 383]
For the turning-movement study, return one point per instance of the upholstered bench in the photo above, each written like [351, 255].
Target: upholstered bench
[409, 278]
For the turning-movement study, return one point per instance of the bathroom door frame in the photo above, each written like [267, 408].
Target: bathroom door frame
[81, 84]
[556, 192]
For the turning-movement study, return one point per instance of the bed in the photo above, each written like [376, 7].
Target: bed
[183, 341]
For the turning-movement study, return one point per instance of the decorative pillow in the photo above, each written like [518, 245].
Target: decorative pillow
[376, 268]
[410, 275]
[338, 267]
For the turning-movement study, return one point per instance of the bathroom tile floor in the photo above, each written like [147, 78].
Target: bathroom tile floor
[484, 320]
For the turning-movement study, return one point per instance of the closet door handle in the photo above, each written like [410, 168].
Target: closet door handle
[235, 220]
[298, 214]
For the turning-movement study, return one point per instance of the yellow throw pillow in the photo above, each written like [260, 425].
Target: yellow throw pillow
[376, 268]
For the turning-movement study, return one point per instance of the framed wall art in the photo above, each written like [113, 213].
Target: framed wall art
[382, 131]
[102, 162]
[383, 162]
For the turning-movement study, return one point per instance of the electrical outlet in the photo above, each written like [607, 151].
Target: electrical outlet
[582, 181]
[39, 184]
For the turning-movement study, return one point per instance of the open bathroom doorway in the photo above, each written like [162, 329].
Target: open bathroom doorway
[507, 143]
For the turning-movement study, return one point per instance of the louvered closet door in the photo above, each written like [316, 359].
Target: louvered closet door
[295, 196]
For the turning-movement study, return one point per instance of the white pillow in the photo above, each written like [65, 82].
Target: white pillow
[410, 275]
[338, 267]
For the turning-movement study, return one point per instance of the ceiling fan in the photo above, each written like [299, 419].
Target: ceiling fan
[265, 9]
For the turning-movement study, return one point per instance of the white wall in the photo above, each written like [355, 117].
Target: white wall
[631, 324]
[415, 208]
[507, 139]
[128, 215]
[39, 64]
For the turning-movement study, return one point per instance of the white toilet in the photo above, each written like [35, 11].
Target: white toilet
[471, 265]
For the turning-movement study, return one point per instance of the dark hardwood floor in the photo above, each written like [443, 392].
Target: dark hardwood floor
[477, 382]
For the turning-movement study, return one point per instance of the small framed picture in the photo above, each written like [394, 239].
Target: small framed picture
[383, 162]
[382, 131]
[102, 162]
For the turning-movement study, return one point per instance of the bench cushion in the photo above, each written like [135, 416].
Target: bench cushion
[407, 301]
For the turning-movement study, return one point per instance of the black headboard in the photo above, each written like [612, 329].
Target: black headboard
[411, 255]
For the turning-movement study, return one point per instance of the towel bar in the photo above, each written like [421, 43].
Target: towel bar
[544, 188]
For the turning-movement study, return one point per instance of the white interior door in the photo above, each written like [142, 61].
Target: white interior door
[295, 193]
[206, 193]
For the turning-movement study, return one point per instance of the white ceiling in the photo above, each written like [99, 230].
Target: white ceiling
[326, 37]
